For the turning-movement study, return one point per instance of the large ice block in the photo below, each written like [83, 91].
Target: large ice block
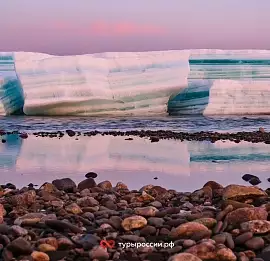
[225, 83]
[100, 84]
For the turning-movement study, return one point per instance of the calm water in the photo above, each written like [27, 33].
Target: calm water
[178, 165]
[186, 124]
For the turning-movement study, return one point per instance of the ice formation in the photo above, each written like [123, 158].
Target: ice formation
[209, 82]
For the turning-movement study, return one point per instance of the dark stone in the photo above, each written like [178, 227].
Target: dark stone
[20, 247]
[86, 184]
[70, 133]
[92, 175]
[154, 139]
[254, 181]
[65, 184]
[57, 255]
[248, 177]
[88, 241]
[265, 256]
[62, 226]
[23, 135]
[10, 186]
[4, 229]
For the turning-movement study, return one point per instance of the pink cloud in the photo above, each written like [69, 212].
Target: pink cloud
[125, 28]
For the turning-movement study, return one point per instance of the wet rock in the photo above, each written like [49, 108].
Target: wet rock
[121, 186]
[235, 204]
[48, 187]
[156, 204]
[205, 251]
[57, 255]
[65, 184]
[87, 202]
[155, 221]
[87, 241]
[40, 256]
[154, 139]
[29, 219]
[146, 211]
[220, 238]
[144, 197]
[188, 230]
[25, 199]
[208, 192]
[255, 243]
[64, 243]
[92, 175]
[241, 215]
[184, 257]
[20, 247]
[2, 213]
[70, 133]
[49, 241]
[134, 222]
[46, 248]
[99, 253]
[87, 184]
[256, 226]
[208, 222]
[254, 181]
[248, 177]
[213, 185]
[241, 239]
[106, 185]
[225, 254]
[73, 208]
[239, 193]
[62, 226]
[4, 229]
[23, 135]
[265, 256]
[149, 230]
[188, 243]
[18, 231]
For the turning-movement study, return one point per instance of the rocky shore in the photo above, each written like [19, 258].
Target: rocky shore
[255, 137]
[62, 220]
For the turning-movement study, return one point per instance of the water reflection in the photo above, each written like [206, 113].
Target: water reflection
[178, 165]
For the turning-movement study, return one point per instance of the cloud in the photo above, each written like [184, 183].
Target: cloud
[104, 28]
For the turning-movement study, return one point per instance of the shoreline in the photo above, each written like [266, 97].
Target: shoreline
[62, 219]
[255, 137]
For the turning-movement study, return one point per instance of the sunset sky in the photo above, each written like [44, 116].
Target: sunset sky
[88, 26]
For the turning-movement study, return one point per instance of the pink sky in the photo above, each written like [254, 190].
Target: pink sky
[71, 27]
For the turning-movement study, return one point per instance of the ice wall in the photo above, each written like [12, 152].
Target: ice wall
[225, 83]
[11, 92]
[101, 84]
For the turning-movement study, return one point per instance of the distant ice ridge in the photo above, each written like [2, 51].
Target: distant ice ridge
[209, 82]
[225, 83]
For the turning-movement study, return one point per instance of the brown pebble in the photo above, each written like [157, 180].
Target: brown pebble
[224, 212]
[229, 241]
[255, 243]
[241, 239]
[218, 227]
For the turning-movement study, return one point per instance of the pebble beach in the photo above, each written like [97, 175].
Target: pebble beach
[61, 220]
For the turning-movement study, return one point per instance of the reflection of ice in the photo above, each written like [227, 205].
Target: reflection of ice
[104, 153]
[243, 151]
[178, 165]
[10, 151]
